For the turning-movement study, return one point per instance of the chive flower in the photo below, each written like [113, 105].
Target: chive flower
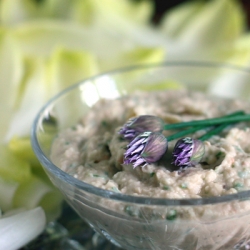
[140, 124]
[188, 152]
[149, 146]
[146, 148]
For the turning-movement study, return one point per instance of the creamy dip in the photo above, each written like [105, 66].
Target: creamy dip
[93, 150]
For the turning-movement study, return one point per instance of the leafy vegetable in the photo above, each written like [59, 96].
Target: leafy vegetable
[201, 29]
[45, 46]
[206, 23]
[17, 229]
[12, 167]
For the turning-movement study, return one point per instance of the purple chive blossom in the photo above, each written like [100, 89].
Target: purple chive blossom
[146, 148]
[188, 152]
[140, 124]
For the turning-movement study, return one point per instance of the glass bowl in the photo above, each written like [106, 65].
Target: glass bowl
[133, 222]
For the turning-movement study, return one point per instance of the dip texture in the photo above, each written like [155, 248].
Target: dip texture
[93, 150]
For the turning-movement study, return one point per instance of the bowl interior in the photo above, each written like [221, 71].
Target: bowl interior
[65, 109]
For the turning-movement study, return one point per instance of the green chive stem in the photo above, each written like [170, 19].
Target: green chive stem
[210, 122]
[206, 136]
[214, 131]
[184, 133]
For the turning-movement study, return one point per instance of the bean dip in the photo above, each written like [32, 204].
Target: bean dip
[93, 149]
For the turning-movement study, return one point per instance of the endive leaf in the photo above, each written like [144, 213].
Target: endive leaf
[105, 39]
[239, 52]
[36, 192]
[234, 83]
[13, 212]
[31, 192]
[12, 167]
[177, 19]
[90, 11]
[142, 55]
[136, 56]
[21, 147]
[216, 22]
[19, 229]
[15, 11]
[44, 78]
[40, 38]
[67, 67]
[33, 95]
[7, 192]
[10, 74]
[51, 203]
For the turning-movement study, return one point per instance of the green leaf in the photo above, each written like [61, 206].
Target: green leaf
[142, 55]
[21, 147]
[51, 203]
[12, 167]
[136, 56]
[239, 52]
[67, 67]
[90, 11]
[10, 74]
[103, 40]
[87, 11]
[7, 191]
[206, 24]
[29, 102]
[40, 38]
[35, 192]
[177, 19]
[15, 11]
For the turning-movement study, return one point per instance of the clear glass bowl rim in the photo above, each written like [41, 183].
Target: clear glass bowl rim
[65, 177]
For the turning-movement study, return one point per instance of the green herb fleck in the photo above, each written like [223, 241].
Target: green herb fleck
[166, 188]
[238, 148]
[131, 211]
[243, 174]
[219, 155]
[238, 185]
[152, 174]
[172, 215]
[120, 139]
[73, 127]
[96, 175]
[73, 165]
[184, 185]
[104, 123]
[115, 189]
